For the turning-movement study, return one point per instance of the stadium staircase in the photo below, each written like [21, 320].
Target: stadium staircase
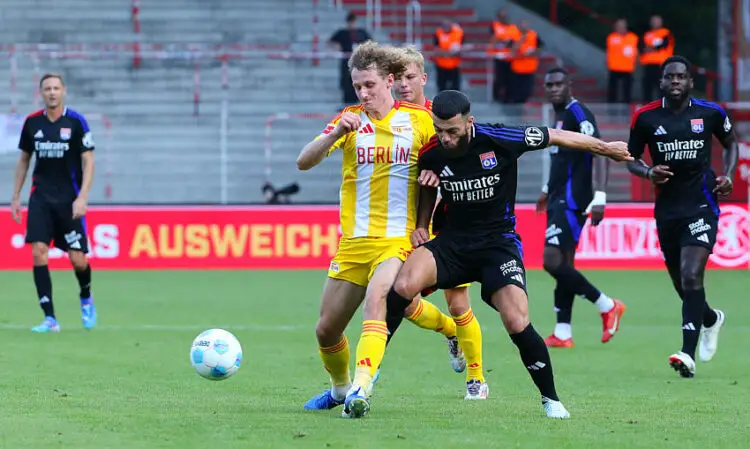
[162, 145]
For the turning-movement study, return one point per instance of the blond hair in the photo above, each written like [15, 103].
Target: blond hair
[385, 59]
[414, 57]
[50, 75]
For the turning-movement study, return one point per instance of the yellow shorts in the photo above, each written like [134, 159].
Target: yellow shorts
[432, 236]
[357, 258]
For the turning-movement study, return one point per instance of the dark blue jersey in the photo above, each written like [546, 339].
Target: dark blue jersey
[683, 143]
[57, 147]
[479, 186]
[570, 177]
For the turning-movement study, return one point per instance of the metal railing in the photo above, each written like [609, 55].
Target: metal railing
[414, 24]
[374, 15]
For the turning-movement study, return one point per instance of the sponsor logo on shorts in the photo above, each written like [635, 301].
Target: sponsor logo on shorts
[509, 267]
[334, 267]
[698, 227]
[73, 239]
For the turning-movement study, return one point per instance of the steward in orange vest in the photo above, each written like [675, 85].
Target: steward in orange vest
[622, 54]
[658, 45]
[502, 36]
[449, 38]
[524, 64]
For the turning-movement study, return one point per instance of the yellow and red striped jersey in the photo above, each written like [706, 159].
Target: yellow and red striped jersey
[379, 170]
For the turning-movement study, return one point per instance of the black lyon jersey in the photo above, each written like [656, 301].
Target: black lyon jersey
[479, 187]
[570, 180]
[57, 147]
[683, 143]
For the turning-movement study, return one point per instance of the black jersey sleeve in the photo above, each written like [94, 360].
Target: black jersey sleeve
[584, 121]
[518, 139]
[426, 155]
[26, 142]
[638, 136]
[84, 139]
[721, 124]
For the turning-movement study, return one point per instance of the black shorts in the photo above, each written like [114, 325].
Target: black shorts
[564, 227]
[492, 260]
[50, 222]
[675, 234]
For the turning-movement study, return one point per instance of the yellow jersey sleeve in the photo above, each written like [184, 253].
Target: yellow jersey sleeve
[340, 144]
[425, 128]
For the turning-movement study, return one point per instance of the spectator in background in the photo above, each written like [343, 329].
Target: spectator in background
[449, 38]
[503, 34]
[524, 64]
[622, 52]
[658, 45]
[345, 40]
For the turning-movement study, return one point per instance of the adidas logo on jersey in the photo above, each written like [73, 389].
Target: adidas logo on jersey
[367, 129]
[518, 278]
[39, 135]
[660, 131]
[446, 172]
[703, 238]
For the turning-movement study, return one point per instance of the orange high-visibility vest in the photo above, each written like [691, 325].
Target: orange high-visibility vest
[447, 42]
[503, 33]
[622, 52]
[653, 39]
[527, 61]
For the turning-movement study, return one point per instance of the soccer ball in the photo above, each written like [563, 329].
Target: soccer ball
[216, 354]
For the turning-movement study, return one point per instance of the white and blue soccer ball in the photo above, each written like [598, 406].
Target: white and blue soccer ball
[216, 354]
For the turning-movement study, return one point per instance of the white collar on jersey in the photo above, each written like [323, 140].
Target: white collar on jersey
[65, 111]
[664, 102]
[572, 101]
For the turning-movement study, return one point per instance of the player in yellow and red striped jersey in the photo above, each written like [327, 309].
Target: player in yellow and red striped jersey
[380, 140]
[410, 87]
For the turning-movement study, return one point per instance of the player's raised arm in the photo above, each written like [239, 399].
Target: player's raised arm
[331, 138]
[617, 151]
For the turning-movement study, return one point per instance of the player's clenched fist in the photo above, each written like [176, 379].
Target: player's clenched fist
[348, 122]
[618, 151]
[428, 178]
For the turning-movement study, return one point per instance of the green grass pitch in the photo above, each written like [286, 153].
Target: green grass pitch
[129, 384]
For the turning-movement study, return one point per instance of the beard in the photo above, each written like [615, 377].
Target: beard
[461, 148]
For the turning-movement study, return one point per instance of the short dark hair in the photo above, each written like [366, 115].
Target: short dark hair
[450, 103]
[351, 17]
[51, 75]
[677, 59]
[557, 70]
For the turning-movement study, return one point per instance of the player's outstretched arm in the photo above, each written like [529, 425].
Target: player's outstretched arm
[617, 151]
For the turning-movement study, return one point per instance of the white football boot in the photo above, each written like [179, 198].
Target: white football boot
[710, 338]
[683, 364]
[554, 409]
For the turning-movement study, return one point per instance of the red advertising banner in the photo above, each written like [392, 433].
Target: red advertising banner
[305, 237]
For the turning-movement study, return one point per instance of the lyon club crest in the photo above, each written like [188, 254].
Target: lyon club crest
[488, 160]
[696, 125]
[64, 133]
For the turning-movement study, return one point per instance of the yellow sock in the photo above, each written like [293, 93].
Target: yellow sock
[428, 316]
[470, 340]
[336, 361]
[370, 352]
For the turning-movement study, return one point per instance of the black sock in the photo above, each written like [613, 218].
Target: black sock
[709, 316]
[84, 281]
[43, 283]
[535, 357]
[692, 318]
[576, 282]
[563, 303]
[396, 305]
